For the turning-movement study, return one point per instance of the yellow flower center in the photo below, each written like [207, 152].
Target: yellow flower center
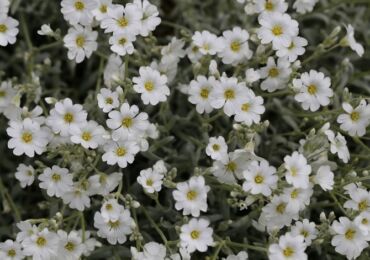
[206, 47]
[108, 207]
[3, 28]
[277, 30]
[291, 46]
[215, 147]
[364, 221]
[68, 118]
[191, 195]
[235, 46]
[149, 86]
[80, 41]
[122, 41]
[195, 234]
[273, 72]
[2, 93]
[103, 9]
[122, 22]
[245, 107]
[312, 89]
[79, 5]
[86, 136]
[294, 194]
[280, 208]
[229, 93]
[350, 234]
[27, 137]
[114, 224]
[362, 205]
[127, 122]
[56, 177]
[12, 253]
[355, 116]
[304, 233]
[29, 173]
[109, 100]
[269, 6]
[204, 92]
[288, 251]
[121, 151]
[294, 171]
[69, 246]
[149, 182]
[231, 166]
[259, 179]
[40, 241]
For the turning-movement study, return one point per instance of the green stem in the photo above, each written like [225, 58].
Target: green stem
[6, 196]
[155, 226]
[83, 226]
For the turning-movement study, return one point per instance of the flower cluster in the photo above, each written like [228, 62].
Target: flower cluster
[169, 131]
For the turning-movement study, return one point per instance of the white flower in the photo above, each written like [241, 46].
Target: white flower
[277, 214]
[64, 116]
[150, 19]
[349, 40]
[151, 180]
[228, 94]
[250, 108]
[160, 167]
[128, 122]
[242, 255]
[349, 239]
[111, 209]
[77, 198]
[252, 75]
[26, 230]
[306, 229]
[57, 181]
[217, 148]
[172, 52]
[7, 93]
[11, 250]
[89, 135]
[304, 6]
[151, 251]
[121, 152]
[78, 11]
[277, 28]
[338, 144]
[200, 93]
[45, 30]
[324, 177]
[297, 170]
[115, 231]
[151, 85]
[27, 137]
[14, 113]
[121, 20]
[270, 6]
[363, 222]
[104, 184]
[290, 247]
[81, 42]
[207, 43]
[122, 43]
[8, 30]
[70, 245]
[196, 235]
[295, 49]
[236, 48]
[90, 243]
[25, 174]
[276, 74]
[297, 198]
[360, 200]
[4, 7]
[230, 167]
[356, 119]
[314, 90]
[114, 71]
[101, 10]
[41, 245]
[107, 99]
[260, 178]
[191, 196]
